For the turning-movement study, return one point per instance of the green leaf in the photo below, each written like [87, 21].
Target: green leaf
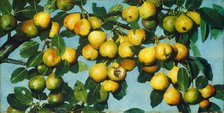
[119, 95]
[156, 98]
[183, 80]
[168, 3]
[67, 33]
[18, 5]
[29, 49]
[79, 67]
[62, 68]
[90, 84]
[136, 49]
[35, 59]
[194, 36]
[184, 39]
[133, 2]
[30, 11]
[215, 33]
[179, 2]
[31, 73]
[64, 108]
[44, 35]
[108, 25]
[68, 94]
[80, 91]
[99, 12]
[90, 110]
[169, 64]
[219, 91]
[59, 43]
[211, 17]
[93, 95]
[23, 95]
[204, 30]
[219, 9]
[193, 4]
[144, 77]
[134, 26]
[193, 68]
[204, 67]
[195, 49]
[115, 11]
[201, 82]
[13, 102]
[134, 110]
[39, 96]
[212, 108]
[50, 6]
[19, 75]
[184, 108]
[34, 2]
[101, 106]
[5, 6]
[59, 17]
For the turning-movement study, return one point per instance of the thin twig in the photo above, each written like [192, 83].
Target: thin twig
[13, 61]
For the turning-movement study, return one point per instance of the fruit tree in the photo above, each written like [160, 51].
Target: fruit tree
[157, 38]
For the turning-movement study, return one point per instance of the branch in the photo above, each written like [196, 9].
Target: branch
[13, 61]
[9, 46]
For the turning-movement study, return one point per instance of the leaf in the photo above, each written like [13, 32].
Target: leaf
[195, 49]
[64, 108]
[168, 3]
[18, 5]
[215, 33]
[212, 108]
[132, 2]
[183, 80]
[79, 67]
[93, 94]
[134, 26]
[5, 6]
[99, 12]
[68, 94]
[194, 36]
[30, 11]
[67, 33]
[201, 82]
[179, 2]
[193, 4]
[13, 102]
[62, 68]
[33, 2]
[59, 17]
[136, 49]
[194, 69]
[90, 110]
[185, 38]
[19, 75]
[101, 106]
[80, 92]
[134, 110]
[108, 25]
[115, 11]
[23, 95]
[35, 59]
[31, 73]
[143, 76]
[204, 67]
[39, 96]
[219, 9]
[156, 98]
[59, 43]
[119, 95]
[29, 49]
[184, 108]
[50, 6]
[204, 30]
[169, 64]
[211, 17]
[219, 91]
[90, 84]
[44, 35]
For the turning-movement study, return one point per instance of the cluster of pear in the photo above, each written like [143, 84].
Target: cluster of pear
[182, 23]
[160, 81]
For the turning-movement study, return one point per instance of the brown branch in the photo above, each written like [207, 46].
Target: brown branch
[13, 61]
[9, 46]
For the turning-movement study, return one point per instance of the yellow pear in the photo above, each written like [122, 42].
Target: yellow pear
[130, 13]
[136, 37]
[147, 55]
[183, 23]
[108, 48]
[147, 10]
[159, 81]
[172, 74]
[125, 51]
[172, 96]
[97, 38]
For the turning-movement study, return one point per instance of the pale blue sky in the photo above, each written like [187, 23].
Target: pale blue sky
[137, 93]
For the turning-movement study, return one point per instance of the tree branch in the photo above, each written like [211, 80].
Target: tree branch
[9, 46]
[13, 61]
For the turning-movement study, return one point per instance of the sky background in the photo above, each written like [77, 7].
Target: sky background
[138, 94]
